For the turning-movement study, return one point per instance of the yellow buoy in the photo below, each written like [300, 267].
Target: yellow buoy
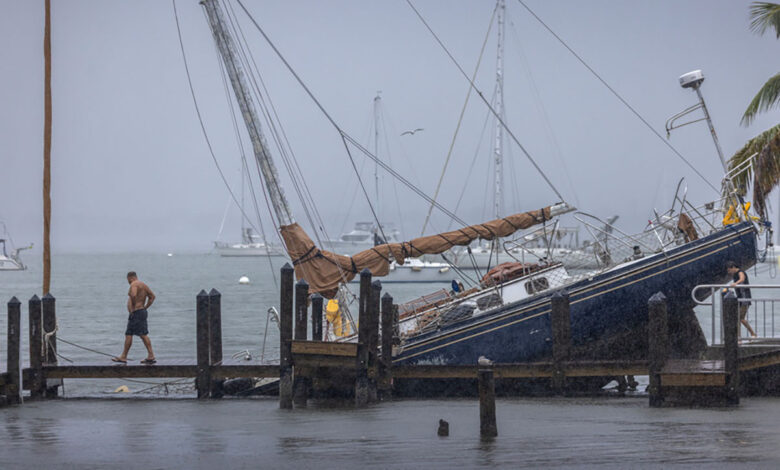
[122, 389]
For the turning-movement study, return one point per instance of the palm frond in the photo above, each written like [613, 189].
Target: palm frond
[763, 16]
[766, 170]
[766, 98]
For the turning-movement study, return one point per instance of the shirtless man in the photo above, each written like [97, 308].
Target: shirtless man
[140, 297]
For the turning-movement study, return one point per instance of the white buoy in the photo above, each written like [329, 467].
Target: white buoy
[243, 280]
[170, 254]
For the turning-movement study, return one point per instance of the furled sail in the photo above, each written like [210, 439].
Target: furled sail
[324, 270]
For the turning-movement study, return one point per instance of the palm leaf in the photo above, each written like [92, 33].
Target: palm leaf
[766, 170]
[768, 97]
[763, 16]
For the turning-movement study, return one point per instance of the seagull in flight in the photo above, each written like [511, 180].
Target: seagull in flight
[412, 132]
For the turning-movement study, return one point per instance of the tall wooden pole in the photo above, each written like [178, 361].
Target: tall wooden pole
[47, 150]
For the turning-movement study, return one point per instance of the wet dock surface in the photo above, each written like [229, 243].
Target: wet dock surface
[554, 432]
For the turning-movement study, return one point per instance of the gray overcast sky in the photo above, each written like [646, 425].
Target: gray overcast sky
[131, 170]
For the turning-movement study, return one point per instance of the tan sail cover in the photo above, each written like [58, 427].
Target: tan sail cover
[324, 270]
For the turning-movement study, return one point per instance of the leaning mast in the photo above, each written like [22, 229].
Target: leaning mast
[243, 93]
[499, 107]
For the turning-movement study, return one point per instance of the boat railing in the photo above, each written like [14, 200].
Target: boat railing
[762, 313]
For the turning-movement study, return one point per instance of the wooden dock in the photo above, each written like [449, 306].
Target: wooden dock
[310, 367]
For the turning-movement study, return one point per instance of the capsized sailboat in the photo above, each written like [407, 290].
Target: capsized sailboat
[506, 316]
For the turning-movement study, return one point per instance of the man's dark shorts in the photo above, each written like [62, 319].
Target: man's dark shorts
[136, 324]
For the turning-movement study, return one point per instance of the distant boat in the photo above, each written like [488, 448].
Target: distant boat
[12, 261]
[250, 245]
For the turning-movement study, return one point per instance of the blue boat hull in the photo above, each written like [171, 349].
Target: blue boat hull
[607, 306]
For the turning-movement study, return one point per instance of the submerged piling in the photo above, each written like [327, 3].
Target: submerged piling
[285, 337]
[487, 404]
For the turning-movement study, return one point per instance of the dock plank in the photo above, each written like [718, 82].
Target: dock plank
[325, 348]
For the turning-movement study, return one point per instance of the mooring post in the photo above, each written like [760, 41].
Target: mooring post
[49, 335]
[285, 337]
[300, 384]
[203, 380]
[364, 326]
[487, 403]
[215, 341]
[316, 317]
[386, 351]
[13, 389]
[373, 340]
[560, 323]
[731, 346]
[657, 345]
[36, 347]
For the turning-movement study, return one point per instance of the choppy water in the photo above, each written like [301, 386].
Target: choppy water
[254, 433]
[533, 433]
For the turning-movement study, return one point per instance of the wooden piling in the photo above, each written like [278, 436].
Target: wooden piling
[373, 340]
[386, 351]
[364, 326]
[285, 337]
[300, 384]
[730, 312]
[203, 380]
[215, 340]
[36, 347]
[316, 317]
[658, 346]
[560, 324]
[487, 404]
[49, 338]
[13, 389]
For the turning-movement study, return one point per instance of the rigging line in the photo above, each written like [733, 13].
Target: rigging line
[617, 95]
[478, 92]
[395, 186]
[540, 106]
[400, 178]
[333, 122]
[363, 188]
[320, 223]
[200, 118]
[470, 172]
[460, 120]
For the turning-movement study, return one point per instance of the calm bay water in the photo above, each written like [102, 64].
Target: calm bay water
[96, 432]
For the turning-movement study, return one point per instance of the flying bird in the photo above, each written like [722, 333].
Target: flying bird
[412, 132]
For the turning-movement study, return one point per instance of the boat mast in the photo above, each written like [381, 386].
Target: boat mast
[377, 102]
[227, 49]
[498, 149]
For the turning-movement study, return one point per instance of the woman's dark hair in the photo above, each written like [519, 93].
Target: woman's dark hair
[731, 264]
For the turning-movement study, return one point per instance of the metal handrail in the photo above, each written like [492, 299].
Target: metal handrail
[714, 288]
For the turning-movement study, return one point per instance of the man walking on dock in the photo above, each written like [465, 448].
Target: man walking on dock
[140, 298]
[739, 277]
